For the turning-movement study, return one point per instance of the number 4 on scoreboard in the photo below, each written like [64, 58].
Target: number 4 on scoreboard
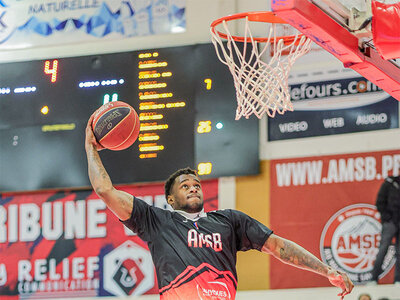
[51, 70]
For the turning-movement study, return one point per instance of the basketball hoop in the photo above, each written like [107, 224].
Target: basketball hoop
[261, 82]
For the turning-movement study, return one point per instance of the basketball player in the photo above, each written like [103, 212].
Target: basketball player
[194, 252]
[388, 205]
[364, 297]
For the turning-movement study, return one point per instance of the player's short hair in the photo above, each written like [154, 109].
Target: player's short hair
[362, 295]
[172, 177]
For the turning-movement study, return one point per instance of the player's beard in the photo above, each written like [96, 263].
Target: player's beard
[192, 207]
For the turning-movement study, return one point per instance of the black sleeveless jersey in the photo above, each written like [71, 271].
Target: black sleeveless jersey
[196, 260]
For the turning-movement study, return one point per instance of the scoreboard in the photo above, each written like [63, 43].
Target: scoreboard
[184, 97]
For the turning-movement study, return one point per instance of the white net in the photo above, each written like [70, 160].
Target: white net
[261, 84]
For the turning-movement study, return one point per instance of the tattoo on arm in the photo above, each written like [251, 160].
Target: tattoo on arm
[102, 171]
[295, 255]
[97, 173]
[119, 202]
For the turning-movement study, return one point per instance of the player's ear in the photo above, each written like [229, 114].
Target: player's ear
[170, 200]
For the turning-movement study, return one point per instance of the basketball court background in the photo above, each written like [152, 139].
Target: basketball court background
[68, 244]
[307, 192]
[306, 216]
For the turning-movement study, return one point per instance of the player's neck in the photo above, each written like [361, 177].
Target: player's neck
[192, 216]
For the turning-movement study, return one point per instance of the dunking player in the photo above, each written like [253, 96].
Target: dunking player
[194, 252]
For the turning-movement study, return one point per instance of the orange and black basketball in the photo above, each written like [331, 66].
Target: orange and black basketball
[116, 125]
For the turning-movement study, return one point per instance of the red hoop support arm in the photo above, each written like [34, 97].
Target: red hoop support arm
[327, 33]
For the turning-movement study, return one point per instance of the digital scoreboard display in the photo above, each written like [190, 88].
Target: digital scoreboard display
[184, 97]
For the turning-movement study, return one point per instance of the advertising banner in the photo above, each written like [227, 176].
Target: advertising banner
[34, 23]
[68, 244]
[327, 205]
[326, 104]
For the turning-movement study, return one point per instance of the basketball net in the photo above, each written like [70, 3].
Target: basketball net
[261, 85]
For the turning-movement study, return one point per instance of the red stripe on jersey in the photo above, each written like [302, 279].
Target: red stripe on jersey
[203, 282]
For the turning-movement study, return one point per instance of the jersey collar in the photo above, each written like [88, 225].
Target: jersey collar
[192, 216]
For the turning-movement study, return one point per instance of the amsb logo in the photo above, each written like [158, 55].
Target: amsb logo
[350, 242]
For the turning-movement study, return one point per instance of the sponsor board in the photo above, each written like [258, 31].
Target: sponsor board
[350, 242]
[326, 204]
[334, 106]
[128, 270]
[25, 24]
[67, 244]
[354, 168]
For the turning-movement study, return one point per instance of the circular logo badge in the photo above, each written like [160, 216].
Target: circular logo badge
[350, 242]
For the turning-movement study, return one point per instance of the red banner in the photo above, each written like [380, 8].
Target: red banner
[326, 204]
[68, 244]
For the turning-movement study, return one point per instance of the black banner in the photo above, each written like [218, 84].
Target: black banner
[335, 107]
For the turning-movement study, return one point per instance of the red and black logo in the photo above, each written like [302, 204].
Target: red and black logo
[128, 276]
[128, 270]
[350, 242]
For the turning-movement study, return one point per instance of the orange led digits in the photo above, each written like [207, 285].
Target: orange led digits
[148, 74]
[148, 54]
[152, 126]
[148, 155]
[150, 105]
[154, 95]
[144, 55]
[145, 137]
[175, 104]
[204, 127]
[208, 83]
[45, 110]
[166, 74]
[151, 85]
[204, 168]
[150, 116]
[150, 147]
[152, 64]
[52, 70]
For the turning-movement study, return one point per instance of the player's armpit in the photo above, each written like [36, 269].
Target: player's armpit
[119, 202]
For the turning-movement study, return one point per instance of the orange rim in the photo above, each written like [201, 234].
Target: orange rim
[257, 16]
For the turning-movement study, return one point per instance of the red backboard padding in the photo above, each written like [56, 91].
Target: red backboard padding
[386, 29]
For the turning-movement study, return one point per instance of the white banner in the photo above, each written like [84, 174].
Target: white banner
[33, 23]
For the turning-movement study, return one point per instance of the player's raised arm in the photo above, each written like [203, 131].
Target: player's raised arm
[121, 203]
[293, 254]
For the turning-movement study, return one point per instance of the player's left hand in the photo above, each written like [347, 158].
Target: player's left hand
[341, 280]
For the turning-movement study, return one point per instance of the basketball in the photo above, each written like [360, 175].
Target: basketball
[116, 125]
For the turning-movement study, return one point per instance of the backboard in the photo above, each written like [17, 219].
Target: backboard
[343, 28]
